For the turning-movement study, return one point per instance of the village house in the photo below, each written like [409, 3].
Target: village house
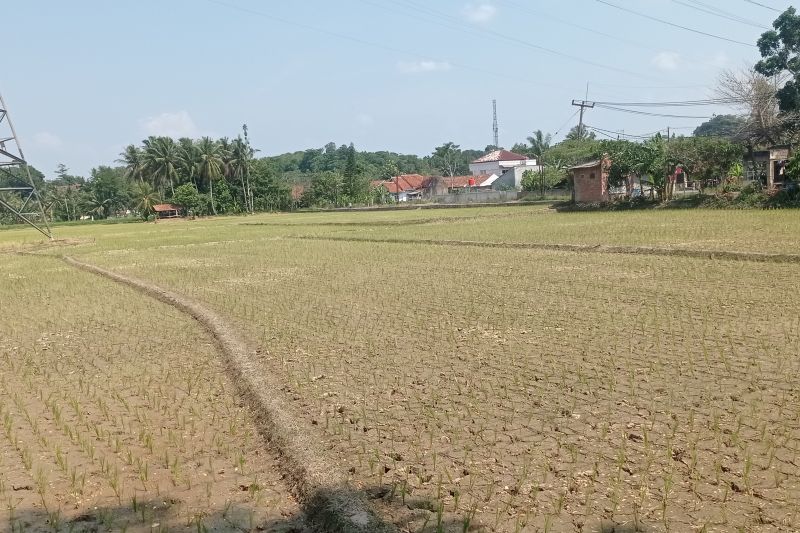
[409, 187]
[509, 168]
[768, 166]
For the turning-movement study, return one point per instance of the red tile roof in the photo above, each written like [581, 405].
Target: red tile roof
[500, 155]
[406, 182]
[159, 208]
[463, 181]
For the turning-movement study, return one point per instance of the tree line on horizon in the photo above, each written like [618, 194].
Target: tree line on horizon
[221, 176]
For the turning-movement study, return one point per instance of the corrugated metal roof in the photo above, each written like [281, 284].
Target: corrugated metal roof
[586, 165]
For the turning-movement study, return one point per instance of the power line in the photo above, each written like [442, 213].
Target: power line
[566, 122]
[764, 6]
[668, 23]
[682, 103]
[619, 133]
[721, 14]
[441, 19]
[629, 42]
[637, 112]
[372, 44]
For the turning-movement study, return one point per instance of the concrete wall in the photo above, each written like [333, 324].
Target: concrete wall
[476, 197]
[512, 178]
[492, 167]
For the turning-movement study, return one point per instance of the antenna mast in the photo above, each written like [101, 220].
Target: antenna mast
[495, 129]
[21, 197]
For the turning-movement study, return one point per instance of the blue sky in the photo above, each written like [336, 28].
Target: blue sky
[83, 79]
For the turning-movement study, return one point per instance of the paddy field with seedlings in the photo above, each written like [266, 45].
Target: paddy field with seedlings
[481, 369]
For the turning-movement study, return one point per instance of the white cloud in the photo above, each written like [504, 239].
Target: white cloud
[177, 124]
[413, 67]
[479, 13]
[48, 140]
[364, 119]
[666, 60]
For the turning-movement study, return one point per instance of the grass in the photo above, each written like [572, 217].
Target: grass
[513, 389]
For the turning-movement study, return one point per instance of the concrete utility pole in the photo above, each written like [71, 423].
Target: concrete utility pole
[583, 104]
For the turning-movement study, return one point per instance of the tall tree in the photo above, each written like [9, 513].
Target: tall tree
[580, 132]
[239, 162]
[756, 96]
[780, 52]
[447, 158]
[354, 187]
[210, 165]
[727, 126]
[146, 198]
[161, 159]
[189, 160]
[133, 159]
[540, 144]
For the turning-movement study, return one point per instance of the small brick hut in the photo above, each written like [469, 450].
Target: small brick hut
[591, 181]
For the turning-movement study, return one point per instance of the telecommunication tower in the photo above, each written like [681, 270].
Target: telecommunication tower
[495, 129]
[20, 196]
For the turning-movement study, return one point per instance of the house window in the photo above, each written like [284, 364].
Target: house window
[591, 175]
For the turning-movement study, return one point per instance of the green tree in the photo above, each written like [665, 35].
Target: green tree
[447, 159]
[354, 186]
[728, 126]
[146, 198]
[210, 165]
[161, 162]
[188, 160]
[326, 189]
[540, 145]
[134, 161]
[780, 53]
[187, 198]
[580, 132]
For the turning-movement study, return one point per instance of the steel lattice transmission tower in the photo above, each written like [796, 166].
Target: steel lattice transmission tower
[21, 197]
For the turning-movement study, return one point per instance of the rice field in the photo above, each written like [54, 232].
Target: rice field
[463, 388]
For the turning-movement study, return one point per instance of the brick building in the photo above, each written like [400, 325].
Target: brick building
[591, 181]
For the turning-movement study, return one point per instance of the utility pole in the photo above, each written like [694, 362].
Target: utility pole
[29, 208]
[583, 104]
[495, 128]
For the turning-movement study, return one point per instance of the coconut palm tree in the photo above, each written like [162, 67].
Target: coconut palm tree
[210, 164]
[161, 160]
[189, 160]
[146, 199]
[540, 144]
[133, 159]
[239, 163]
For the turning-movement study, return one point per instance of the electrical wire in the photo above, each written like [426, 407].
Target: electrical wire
[719, 13]
[376, 45]
[683, 103]
[566, 122]
[762, 5]
[637, 112]
[622, 134]
[668, 23]
[441, 18]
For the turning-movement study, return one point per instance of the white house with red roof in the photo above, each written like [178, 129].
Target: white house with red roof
[507, 166]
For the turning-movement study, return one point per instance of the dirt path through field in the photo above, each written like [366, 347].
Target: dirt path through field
[329, 501]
